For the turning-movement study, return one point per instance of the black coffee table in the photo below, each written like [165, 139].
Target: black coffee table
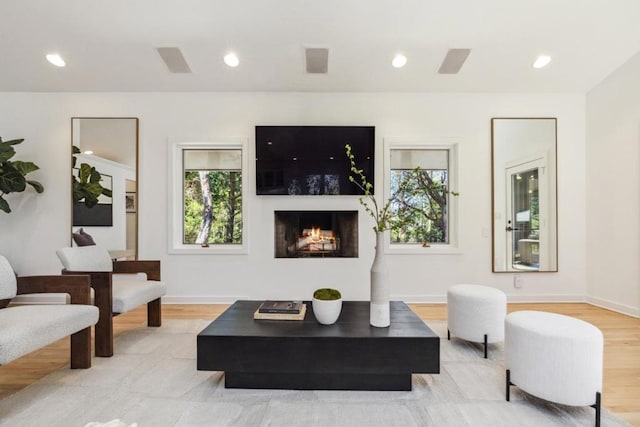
[305, 355]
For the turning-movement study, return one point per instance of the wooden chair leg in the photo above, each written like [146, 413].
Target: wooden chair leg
[81, 349]
[103, 299]
[104, 335]
[154, 313]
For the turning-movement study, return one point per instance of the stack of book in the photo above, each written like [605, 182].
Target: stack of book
[280, 310]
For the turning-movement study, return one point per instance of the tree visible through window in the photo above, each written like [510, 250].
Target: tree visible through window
[212, 197]
[421, 203]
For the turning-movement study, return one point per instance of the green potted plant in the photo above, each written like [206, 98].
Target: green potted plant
[13, 173]
[327, 304]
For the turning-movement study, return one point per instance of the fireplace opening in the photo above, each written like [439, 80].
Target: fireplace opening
[316, 234]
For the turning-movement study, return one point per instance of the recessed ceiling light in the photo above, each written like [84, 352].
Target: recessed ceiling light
[89, 152]
[56, 59]
[399, 61]
[542, 61]
[231, 59]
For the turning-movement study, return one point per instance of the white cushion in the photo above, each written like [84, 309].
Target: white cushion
[129, 291]
[476, 310]
[554, 357]
[46, 298]
[7, 279]
[24, 329]
[129, 276]
[85, 258]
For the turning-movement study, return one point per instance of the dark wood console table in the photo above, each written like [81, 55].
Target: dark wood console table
[305, 355]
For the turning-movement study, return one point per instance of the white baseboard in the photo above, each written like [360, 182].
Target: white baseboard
[441, 299]
[202, 299]
[614, 306]
[418, 299]
[546, 298]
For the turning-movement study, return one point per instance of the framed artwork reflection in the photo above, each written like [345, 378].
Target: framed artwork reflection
[131, 202]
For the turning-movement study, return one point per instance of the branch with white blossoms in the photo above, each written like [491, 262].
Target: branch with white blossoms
[381, 215]
[384, 217]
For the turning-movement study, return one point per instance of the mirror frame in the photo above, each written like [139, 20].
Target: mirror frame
[553, 217]
[137, 173]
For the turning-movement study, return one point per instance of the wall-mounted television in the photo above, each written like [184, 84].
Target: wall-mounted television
[311, 160]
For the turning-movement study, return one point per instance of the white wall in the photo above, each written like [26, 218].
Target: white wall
[613, 175]
[40, 223]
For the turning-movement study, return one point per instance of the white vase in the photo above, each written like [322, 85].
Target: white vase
[327, 311]
[379, 315]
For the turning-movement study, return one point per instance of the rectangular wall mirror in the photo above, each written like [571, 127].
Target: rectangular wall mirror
[105, 183]
[524, 200]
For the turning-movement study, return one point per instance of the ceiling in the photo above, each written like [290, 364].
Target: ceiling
[111, 45]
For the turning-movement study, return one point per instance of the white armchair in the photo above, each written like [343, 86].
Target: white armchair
[26, 328]
[119, 286]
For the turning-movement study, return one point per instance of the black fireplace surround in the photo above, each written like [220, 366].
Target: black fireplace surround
[316, 234]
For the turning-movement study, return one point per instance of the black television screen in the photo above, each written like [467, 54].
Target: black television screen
[311, 160]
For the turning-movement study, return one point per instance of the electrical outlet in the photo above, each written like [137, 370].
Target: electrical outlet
[517, 281]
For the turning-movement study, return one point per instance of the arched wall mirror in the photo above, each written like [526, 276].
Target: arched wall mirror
[105, 183]
[524, 192]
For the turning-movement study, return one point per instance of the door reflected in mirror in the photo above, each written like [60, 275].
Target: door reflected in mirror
[105, 183]
[524, 198]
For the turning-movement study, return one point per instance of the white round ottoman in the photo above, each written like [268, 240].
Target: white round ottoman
[476, 313]
[554, 357]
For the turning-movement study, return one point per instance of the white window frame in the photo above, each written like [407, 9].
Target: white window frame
[176, 196]
[453, 247]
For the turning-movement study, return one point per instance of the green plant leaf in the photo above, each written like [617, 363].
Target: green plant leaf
[36, 186]
[85, 173]
[95, 176]
[11, 180]
[6, 152]
[93, 188]
[12, 142]
[12, 174]
[74, 150]
[25, 167]
[4, 205]
[90, 200]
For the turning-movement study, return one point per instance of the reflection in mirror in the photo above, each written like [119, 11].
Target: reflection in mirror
[524, 194]
[105, 152]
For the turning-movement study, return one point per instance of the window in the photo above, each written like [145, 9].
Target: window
[208, 209]
[422, 191]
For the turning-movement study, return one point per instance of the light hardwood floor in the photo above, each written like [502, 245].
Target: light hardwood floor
[621, 390]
